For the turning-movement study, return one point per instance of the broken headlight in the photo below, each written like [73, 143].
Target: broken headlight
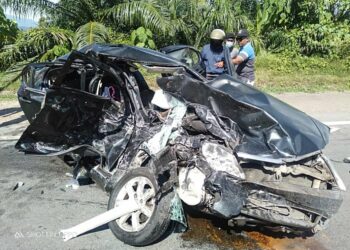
[220, 158]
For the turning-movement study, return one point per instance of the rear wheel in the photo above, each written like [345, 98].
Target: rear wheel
[151, 221]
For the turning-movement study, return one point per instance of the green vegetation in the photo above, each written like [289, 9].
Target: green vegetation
[8, 30]
[281, 73]
[9, 85]
[302, 45]
[143, 38]
[9, 81]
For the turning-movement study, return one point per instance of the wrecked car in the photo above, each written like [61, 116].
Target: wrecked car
[222, 147]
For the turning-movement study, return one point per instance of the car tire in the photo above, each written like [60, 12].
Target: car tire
[148, 229]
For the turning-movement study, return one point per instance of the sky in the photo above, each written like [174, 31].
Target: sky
[25, 22]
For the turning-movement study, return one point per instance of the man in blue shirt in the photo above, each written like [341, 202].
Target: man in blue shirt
[245, 59]
[213, 54]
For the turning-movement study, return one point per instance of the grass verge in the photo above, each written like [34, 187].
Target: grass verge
[279, 74]
[8, 87]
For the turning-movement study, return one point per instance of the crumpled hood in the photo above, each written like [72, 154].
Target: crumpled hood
[272, 130]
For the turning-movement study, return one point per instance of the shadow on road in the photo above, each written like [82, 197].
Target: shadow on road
[98, 229]
[9, 111]
[14, 121]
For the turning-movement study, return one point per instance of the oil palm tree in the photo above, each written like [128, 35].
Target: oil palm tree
[32, 45]
[173, 21]
[44, 42]
[190, 19]
[8, 29]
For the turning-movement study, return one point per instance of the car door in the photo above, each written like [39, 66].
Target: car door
[187, 55]
[192, 58]
[31, 94]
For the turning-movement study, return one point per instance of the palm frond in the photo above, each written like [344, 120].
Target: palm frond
[55, 52]
[92, 32]
[32, 43]
[25, 7]
[220, 14]
[8, 29]
[138, 13]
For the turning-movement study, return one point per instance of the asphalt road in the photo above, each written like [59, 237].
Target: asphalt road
[32, 215]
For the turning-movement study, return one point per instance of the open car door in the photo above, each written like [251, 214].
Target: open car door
[32, 91]
[188, 55]
[192, 58]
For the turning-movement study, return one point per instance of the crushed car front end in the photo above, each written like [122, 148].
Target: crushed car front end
[222, 147]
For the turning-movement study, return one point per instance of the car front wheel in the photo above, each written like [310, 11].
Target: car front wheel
[151, 221]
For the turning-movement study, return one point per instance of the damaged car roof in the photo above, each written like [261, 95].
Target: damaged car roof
[130, 53]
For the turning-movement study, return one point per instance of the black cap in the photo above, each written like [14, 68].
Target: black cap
[230, 35]
[243, 33]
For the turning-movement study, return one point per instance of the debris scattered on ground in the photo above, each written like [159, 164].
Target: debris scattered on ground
[18, 184]
[73, 183]
[69, 175]
[83, 177]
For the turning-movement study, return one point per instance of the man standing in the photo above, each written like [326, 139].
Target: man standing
[230, 43]
[245, 59]
[213, 54]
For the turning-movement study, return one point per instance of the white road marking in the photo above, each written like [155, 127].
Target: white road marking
[9, 138]
[333, 129]
[339, 123]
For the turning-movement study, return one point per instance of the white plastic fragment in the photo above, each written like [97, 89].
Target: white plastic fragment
[73, 183]
[69, 175]
[122, 208]
[162, 100]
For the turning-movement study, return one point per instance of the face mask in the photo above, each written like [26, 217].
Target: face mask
[229, 44]
[216, 43]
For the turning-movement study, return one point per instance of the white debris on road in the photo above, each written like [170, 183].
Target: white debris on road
[73, 183]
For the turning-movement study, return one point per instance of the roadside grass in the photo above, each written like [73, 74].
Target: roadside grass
[270, 81]
[7, 82]
[7, 97]
[8, 87]
[278, 74]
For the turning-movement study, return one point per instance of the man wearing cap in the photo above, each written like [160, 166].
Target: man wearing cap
[230, 42]
[213, 54]
[245, 59]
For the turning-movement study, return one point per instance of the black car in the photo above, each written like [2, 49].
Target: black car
[223, 147]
